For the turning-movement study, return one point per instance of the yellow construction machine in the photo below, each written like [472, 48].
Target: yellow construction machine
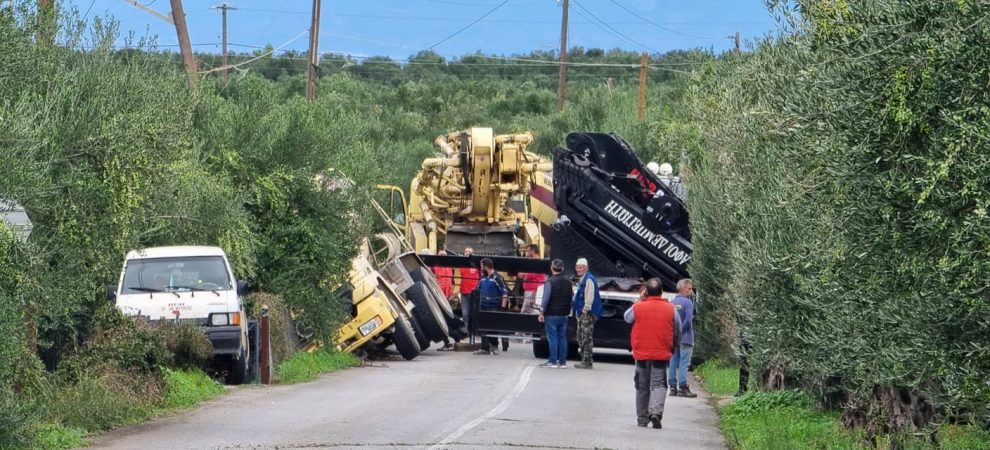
[480, 190]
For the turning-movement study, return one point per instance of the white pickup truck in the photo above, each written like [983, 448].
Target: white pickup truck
[189, 284]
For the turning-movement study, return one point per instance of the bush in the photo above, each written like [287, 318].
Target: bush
[101, 399]
[839, 204]
[188, 345]
[284, 340]
[17, 420]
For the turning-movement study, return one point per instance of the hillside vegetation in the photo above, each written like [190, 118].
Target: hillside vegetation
[838, 177]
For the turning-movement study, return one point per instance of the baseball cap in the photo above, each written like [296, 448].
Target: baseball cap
[581, 262]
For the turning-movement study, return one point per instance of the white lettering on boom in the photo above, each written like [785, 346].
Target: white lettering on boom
[624, 216]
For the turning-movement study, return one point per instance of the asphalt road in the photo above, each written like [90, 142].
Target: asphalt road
[441, 400]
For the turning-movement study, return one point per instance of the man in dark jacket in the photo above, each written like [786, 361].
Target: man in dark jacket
[554, 308]
[492, 295]
[655, 333]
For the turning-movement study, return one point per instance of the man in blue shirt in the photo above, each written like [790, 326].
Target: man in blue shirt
[587, 307]
[492, 295]
[681, 358]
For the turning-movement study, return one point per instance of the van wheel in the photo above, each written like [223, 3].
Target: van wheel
[405, 339]
[238, 369]
[427, 313]
[541, 348]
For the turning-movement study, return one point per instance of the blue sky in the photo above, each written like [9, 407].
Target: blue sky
[401, 28]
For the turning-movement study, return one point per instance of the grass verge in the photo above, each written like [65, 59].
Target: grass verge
[58, 437]
[188, 387]
[789, 419]
[305, 366]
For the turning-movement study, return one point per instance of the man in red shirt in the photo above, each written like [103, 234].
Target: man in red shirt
[656, 331]
[468, 281]
[531, 282]
[445, 277]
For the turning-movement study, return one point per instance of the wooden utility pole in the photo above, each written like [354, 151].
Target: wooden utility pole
[562, 78]
[45, 36]
[642, 86]
[179, 18]
[223, 9]
[314, 57]
[737, 42]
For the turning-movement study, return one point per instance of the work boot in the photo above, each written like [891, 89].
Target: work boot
[582, 365]
[673, 392]
[655, 421]
[685, 391]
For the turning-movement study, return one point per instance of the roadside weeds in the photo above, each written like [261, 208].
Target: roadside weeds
[790, 419]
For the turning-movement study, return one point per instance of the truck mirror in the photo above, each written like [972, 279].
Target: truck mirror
[112, 293]
[242, 287]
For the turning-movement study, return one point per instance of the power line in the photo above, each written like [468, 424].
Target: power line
[235, 66]
[466, 19]
[644, 19]
[469, 25]
[613, 28]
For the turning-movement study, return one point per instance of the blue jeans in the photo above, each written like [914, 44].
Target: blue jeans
[557, 336]
[678, 369]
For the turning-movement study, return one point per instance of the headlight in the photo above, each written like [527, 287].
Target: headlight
[219, 320]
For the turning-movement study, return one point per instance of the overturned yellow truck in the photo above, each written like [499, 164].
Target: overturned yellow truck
[395, 299]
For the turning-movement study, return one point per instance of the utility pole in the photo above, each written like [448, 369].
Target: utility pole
[737, 42]
[314, 58]
[642, 86]
[223, 9]
[179, 18]
[45, 35]
[562, 79]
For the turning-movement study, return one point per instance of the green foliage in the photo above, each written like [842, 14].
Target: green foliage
[51, 437]
[306, 366]
[188, 345]
[17, 420]
[284, 340]
[719, 377]
[782, 419]
[98, 401]
[185, 388]
[839, 201]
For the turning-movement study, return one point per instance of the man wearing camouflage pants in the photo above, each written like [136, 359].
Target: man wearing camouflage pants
[587, 308]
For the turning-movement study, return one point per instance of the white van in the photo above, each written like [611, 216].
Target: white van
[189, 284]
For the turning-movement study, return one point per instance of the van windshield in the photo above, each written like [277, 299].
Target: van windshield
[175, 274]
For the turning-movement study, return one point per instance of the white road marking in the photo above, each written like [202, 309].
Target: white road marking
[498, 409]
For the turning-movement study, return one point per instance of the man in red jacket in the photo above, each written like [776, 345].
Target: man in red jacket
[469, 278]
[656, 331]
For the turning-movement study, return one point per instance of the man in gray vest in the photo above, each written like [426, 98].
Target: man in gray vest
[554, 309]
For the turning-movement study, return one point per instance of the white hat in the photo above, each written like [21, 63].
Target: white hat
[581, 262]
[666, 169]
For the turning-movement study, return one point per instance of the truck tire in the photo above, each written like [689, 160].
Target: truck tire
[427, 313]
[422, 275]
[405, 338]
[541, 348]
[418, 333]
[237, 373]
